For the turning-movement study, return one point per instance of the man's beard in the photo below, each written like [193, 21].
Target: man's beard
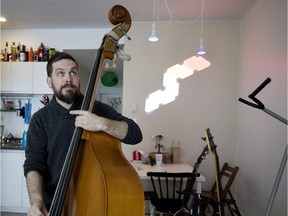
[70, 95]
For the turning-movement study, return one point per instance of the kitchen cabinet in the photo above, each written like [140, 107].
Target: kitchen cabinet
[21, 76]
[13, 184]
[5, 77]
[24, 77]
[25, 196]
[39, 78]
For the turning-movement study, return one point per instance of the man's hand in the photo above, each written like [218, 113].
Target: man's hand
[88, 120]
[37, 209]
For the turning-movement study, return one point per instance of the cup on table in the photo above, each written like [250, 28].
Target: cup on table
[159, 159]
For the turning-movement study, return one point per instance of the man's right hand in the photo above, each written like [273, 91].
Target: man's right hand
[38, 209]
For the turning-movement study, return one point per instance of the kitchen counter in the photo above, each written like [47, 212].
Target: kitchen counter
[14, 195]
[13, 146]
[11, 143]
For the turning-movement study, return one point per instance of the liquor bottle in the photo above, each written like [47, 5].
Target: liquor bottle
[6, 53]
[13, 52]
[46, 54]
[41, 50]
[52, 52]
[30, 55]
[18, 51]
[2, 55]
[23, 53]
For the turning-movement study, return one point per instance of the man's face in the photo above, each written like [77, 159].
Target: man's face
[65, 80]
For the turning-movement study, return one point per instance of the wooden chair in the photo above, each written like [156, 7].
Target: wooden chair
[227, 176]
[167, 187]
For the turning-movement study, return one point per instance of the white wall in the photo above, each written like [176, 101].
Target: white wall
[57, 38]
[261, 139]
[206, 99]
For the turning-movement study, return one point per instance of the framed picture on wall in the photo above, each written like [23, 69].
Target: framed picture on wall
[113, 100]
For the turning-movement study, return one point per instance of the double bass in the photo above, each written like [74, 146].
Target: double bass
[96, 178]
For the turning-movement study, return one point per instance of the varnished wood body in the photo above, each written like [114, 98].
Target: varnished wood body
[107, 184]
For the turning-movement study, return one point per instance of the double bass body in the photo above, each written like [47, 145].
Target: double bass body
[103, 182]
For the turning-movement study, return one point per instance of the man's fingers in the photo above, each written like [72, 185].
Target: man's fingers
[77, 112]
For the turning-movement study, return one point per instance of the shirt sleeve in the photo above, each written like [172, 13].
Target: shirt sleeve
[35, 151]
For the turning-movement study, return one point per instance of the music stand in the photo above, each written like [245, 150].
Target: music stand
[260, 105]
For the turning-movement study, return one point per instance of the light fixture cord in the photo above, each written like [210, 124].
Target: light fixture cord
[173, 18]
[202, 12]
[154, 10]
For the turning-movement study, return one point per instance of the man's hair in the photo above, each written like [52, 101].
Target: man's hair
[57, 57]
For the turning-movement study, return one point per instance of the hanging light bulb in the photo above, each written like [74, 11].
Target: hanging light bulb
[201, 50]
[153, 37]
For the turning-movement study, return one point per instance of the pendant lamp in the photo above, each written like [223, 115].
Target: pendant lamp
[109, 79]
[153, 37]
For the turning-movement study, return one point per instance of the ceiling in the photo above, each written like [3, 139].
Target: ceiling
[64, 14]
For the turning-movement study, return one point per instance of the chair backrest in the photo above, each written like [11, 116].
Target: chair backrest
[168, 185]
[227, 176]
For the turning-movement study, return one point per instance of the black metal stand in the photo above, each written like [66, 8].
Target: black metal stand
[261, 106]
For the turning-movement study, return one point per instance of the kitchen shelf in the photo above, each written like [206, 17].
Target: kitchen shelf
[16, 95]
[13, 110]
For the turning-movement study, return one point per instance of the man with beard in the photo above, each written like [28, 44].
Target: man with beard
[51, 129]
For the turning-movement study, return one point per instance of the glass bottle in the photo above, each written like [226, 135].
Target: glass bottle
[30, 55]
[6, 53]
[13, 52]
[18, 51]
[52, 52]
[2, 55]
[23, 53]
[41, 50]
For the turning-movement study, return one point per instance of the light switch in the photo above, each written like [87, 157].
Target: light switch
[134, 108]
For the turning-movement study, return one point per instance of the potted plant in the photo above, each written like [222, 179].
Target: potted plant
[159, 146]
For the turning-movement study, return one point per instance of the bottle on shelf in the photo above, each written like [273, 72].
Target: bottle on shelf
[31, 55]
[46, 54]
[23, 54]
[41, 50]
[2, 55]
[24, 139]
[52, 52]
[13, 52]
[6, 55]
[18, 51]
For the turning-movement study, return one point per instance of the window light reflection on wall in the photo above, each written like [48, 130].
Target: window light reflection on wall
[170, 82]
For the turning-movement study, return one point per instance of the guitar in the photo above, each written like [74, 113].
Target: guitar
[194, 201]
[212, 148]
